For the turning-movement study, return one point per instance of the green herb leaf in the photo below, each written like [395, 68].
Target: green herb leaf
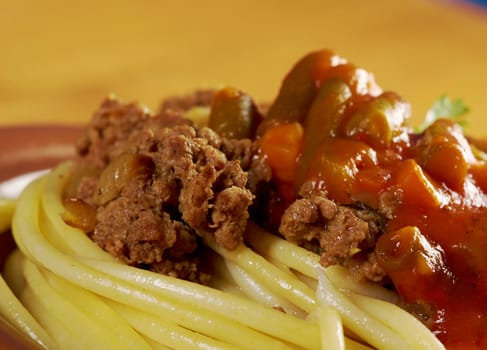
[444, 107]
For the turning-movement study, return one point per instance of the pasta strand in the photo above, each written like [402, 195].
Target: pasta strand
[411, 329]
[291, 288]
[331, 328]
[7, 208]
[27, 231]
[168, 334]
[259, 293]
[202, 298]
[308, 263]
[362, 324]
[66, 238]
[92, 306]
[17, 315]
[89, 332]
[66, 280]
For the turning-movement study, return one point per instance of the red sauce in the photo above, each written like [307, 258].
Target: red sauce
[352, 140]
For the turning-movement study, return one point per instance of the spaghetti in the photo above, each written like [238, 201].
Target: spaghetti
[115, 249]
[83, 297]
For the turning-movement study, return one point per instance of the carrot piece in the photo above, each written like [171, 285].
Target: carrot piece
[417, 188]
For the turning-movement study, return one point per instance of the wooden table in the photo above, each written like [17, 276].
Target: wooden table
[58, 60]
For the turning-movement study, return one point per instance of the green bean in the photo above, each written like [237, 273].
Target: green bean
[380, 119]
[233, 114]
[444, 152]
[322, 121]
[300, 86]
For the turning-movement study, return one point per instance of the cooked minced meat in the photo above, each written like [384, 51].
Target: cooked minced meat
[159, 184]
[199, 98]
[341, 234]
[178, 183]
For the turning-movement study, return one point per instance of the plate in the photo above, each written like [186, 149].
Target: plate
[33, 147]
[25, 149]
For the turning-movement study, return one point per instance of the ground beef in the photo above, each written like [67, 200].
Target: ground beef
[198, 98]
[340, 234]
[112, 124]
[245, 151]
[183, 183]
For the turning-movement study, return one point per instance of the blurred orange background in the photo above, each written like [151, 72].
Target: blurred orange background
[58, 60]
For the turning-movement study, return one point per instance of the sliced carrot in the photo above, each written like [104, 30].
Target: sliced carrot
[281, 144]
[417, 187]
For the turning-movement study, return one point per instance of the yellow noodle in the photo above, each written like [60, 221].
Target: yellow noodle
[284, 251]
[12, 308]
[220, 276]
[94, 308]
[88, 330]
[73, 269]
[411, 329]
[259, 293]
[26, 230]
[158, 329]
[7, 208]
[278, 281]
[68, 239]
[360, 322]
[16, 313]
[203, 299]
[351, 344]
[199, 115]
[331, 328]
[157, 346]
[308, 263]
[12, 272]
[63, 338]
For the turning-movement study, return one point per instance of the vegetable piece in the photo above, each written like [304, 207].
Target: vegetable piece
[199, 115]
[302, 83]
[406, 254]
[335, 165]
[361, 82]
[444, 107]
[322, 121]
[81, 169]
[233, 114]
[300, 86]
[379, 120]
[79, 214]
[281, 144]
[118, 173]
[445, 153]
[479, 174]
[407, 248]
[416, 187]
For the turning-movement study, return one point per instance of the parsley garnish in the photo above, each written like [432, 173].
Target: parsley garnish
[444, 107]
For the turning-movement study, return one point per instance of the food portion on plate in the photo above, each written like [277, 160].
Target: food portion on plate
[320, 220]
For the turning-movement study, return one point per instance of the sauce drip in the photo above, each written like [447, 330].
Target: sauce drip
[331, 125]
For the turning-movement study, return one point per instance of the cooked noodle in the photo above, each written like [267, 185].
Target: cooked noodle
[66, 292]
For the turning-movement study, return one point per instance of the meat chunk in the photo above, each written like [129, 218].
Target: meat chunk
[110, 127]
[198, 98]
[117, 128]
[340, 234]
[191, 185]
[246, 152]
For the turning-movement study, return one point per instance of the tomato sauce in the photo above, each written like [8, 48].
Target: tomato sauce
[332, 125]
